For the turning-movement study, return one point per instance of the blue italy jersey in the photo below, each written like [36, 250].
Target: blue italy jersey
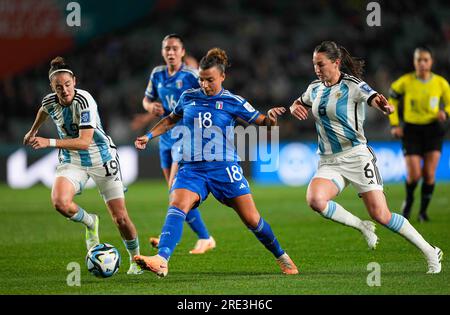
[168, 90]
[208, 122]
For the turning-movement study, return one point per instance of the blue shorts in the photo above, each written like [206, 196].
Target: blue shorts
[168, 154]
[223, 179]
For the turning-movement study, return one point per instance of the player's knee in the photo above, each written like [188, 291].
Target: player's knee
[317, 203]
[183, 205]
[429, 177]
[62, 204]
[380, 215]
[414, 177]
[121, 219]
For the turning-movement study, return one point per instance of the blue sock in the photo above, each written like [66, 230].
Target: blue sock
[264, 234]
[194, 219]
[171, 232]
[396, 222]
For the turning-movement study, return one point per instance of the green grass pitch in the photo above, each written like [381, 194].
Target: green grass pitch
[37, 244]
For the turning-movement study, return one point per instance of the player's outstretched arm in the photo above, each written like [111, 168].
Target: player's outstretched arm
[154, 108]
[41, 116]
[161, 127]
[270, 119]
[81, 143]
[382, 104]
[298, 110]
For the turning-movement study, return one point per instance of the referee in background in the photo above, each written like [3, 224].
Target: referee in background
[423, 127]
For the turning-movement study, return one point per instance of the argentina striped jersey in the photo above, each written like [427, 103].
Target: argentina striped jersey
[81, 114]
[339, 112]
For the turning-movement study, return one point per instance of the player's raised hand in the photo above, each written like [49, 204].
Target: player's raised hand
[158, 109]
[442, 116]
[298, 110]
[141, 142]
[274, 112]
[29, 137]
[39, 142]
[383, 104]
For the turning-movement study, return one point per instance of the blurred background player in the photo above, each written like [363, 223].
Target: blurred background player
[166, 84]
[211, 109]
[423, 127]
[85, 151]
[337, 101]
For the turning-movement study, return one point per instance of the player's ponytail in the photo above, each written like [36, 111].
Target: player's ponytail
[58, 64]
[215, 57]
[349, 64]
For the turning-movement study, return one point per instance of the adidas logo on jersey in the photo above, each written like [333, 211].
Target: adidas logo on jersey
[116, 179]
[242, 186]
[371, 182]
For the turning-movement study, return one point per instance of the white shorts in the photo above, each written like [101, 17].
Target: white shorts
[356, 166]
[108, 179]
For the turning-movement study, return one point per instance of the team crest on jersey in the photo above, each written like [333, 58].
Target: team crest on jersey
[219, 105]
[179, 84]
[85, 117]
[366, 88]
[338, 95]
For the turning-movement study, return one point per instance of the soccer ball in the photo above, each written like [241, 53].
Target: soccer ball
[103, 260]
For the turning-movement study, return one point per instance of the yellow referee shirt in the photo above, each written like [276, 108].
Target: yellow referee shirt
[421, 99]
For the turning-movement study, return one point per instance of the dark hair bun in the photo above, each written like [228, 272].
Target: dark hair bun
[57, 62]
[218, 55]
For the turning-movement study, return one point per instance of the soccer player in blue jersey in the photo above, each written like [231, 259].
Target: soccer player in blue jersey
[210, 163]
[166, 84]
[336, 100]
[85, 151]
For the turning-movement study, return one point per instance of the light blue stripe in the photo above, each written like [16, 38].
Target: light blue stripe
[331, 209]
[79, 215]
[314, 93]
[102, 145]
[332, 138]
[396, 222]
[337, 184]
[67, 120]
[341, 113]
[131, 244]
[321, 145]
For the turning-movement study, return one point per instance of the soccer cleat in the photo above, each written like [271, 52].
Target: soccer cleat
[92, 237]
[203, 245]
[368, 230]
[134, 269]
[155, 264]
[154, 241]
[287, 265]
[434, 261]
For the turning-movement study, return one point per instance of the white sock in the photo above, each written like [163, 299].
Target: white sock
[83, 217]
[336, 212]
[132, 247]
[402, 226]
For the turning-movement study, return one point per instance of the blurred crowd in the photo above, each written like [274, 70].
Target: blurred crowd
[269, 44]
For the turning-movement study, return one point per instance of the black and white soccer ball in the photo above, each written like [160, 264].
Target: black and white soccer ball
[103, 260]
